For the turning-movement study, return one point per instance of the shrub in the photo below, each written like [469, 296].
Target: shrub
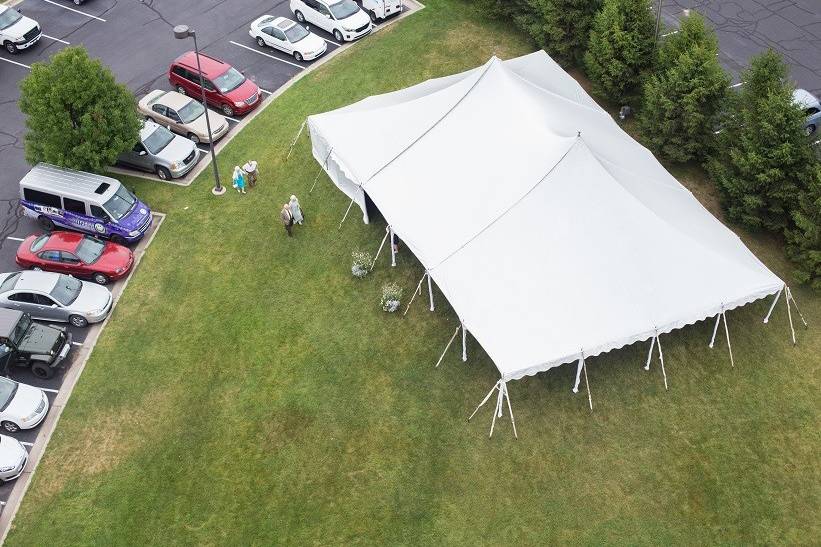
[560, 27]
[362, 261]
[804, 240]
[391, 296]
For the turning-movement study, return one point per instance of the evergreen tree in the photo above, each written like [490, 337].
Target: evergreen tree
[682, 102]
[620, 48]
[804, 239]
[561, 27]
[763, 162]
[78, 115]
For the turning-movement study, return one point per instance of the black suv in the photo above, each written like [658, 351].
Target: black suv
[26, 343]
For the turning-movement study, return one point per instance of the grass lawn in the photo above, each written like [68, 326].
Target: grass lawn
[248, 390]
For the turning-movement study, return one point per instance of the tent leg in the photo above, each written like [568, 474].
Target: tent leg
[319, 171]
[510, 410]
[430, 292]
[417, 291]
[661, 358]
[487, 397]
[346, 215]
[464, 343]
[727, 332]
[393, 248]
[715, 330]
[498, 411]
[789, 316]
[794, 303]
[578, 377]
[384, 239]
[772, 306]
[587, 384]
[447, 347]
[650, 353]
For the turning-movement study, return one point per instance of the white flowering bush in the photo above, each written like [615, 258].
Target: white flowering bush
[391, 295]
[361, 263]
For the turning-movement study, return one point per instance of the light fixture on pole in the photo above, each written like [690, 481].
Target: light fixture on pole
[182, 32]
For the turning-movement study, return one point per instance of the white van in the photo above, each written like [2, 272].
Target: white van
[342, 18]
[379, 10]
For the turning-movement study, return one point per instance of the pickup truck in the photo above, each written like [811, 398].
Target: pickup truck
[26, 343]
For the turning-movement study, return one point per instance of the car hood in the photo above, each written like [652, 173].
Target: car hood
[11, 451]
[177, 150]
[136, 217]
[40, 339]
[244, 91]
[356, 20]
[310, 44]
[92, 298]
[25, 401]
[114, 256]
[200, 126]
[20, 28]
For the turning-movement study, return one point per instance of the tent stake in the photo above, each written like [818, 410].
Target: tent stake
[415, 292]
[447, 347]
[430, 292]
[293, 143]
[316, 178]
[727, 332]
[772, 306]
[384, 239]
[650, 353]
[791, 297]
[346, 215]
[464, 343]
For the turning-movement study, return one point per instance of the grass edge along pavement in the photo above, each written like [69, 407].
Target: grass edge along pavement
[332, 425]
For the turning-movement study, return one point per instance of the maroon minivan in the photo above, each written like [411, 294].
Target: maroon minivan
[225, 87]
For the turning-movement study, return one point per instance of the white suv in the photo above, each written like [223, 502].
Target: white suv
[17, 31]
[379, 10]
[342, 18]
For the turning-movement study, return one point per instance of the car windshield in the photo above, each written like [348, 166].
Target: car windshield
[20, 329]
[229, 80]
[38, 243]
[191, 111]
[158, 140]
[66, 290]
[120, 203]
[9, 282]
[344, 9]
[296, 33]
[90, 249]
[7, 390]
[9, 17]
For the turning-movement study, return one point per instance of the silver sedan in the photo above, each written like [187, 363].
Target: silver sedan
[55, 297]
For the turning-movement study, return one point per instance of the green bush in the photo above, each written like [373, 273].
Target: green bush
[620, 49]
[560, 27]
[78, 116]
[804, 239]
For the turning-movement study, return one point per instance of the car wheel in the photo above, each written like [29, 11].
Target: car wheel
[45, 223]
[227, 110]
[180, 90]
[194, 138]
[78, 2]
[11, 427]
[299, 16]
[78, 321]
[36, 269]
[809, 130]
[163, 173]
[42, 370]
[117, 239]
[11, 48]
[374, 19]
[260, 42]
[337, 35]
[298, 56]
[99, 278]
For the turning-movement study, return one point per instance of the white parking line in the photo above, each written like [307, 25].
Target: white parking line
[75, 10]
[49, 390]
[265, 91]
[15, 238]
[24, 443]
[269, 56]
[231, 119]
[76, 343]
[15, 63]
[56, 39]
[332, 42]
[203, 148]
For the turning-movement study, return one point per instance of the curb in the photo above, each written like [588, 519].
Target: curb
[69, 382]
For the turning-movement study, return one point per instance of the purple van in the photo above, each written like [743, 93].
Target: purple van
[83, 202]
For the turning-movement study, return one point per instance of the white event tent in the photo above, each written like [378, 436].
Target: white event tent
[554, 235]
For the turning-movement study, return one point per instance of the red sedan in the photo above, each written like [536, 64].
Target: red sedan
[80, 255]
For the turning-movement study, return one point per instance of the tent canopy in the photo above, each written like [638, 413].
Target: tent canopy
[550, 230]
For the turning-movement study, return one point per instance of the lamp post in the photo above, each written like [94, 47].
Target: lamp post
[182, 32]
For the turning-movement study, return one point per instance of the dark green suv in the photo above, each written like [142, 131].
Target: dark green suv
[26, 343]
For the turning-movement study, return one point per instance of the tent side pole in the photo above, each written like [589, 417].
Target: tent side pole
[498, 410]
[393, 248]
[650, 353]
[772, 306]
[316, 178]
[439, 362]
[578, 376]
[430, 292]
[727, 332]
[661, 359]
[464, 343]
[587, 383]
[715, 330]
[510, 410]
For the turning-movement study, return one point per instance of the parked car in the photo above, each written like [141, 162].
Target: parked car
[285, 35]
[28, 344]
[80, 255]
[379, 10]
[55, 297]
[83, 201]
[21, 407]
[160, 151]
[342, 18]
[812, 108]
[16, 30]
[225, 87]
[13, 458]
[182, 115]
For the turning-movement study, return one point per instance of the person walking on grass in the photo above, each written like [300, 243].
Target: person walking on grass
[251, 173]
[296, 211]
[287, 218]
[239, 180]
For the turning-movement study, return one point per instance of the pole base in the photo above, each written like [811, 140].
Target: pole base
[218, 191]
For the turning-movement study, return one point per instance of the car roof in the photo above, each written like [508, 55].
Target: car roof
[283, 23]
[211, 66]
[171, 98]
[147, 128]
[36, 281]
[62, 241]
[8, 320]
[804, 98]
[69, 183]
